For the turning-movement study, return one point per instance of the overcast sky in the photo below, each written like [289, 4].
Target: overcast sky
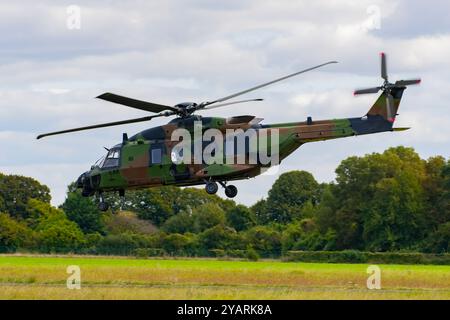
[173, 51]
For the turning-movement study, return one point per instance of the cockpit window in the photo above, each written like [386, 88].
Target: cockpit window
[112, 158]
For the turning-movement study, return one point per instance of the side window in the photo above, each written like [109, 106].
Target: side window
[156, 156]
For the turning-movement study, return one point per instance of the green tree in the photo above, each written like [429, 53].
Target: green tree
[219, 237]
[439, 241]
[240, 218]
[380, 200]
[179, 223]
[159, 204]
[55, 232]
[259, 210]
[265, 240]
[207, 216]
[179, 244]
[13, 234]
[394, 218]
[289, 194]
[153, 204]
[84, 212]
[15, 191]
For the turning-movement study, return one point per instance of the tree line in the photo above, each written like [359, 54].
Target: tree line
[381, 202]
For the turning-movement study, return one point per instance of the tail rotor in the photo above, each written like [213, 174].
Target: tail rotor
[388, 88]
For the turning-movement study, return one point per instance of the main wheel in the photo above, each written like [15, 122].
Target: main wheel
[211, 187]
[103, 206]
[231, 191]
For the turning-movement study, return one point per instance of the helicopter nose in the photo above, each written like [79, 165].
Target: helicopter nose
[82, 179]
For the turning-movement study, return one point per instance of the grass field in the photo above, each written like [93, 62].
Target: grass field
[44, 277]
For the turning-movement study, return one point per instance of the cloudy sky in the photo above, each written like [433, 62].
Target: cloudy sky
[173, 51]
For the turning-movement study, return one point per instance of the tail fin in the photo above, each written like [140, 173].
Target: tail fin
[380, 107]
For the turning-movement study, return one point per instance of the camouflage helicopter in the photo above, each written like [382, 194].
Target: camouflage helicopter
[150, 158]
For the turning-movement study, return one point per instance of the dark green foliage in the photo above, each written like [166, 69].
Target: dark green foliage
[439, 241]
[13, 234]
[353, 256]
[289, 194]
[152, 205]
[251, 254]
[391, 202]
[240, 218]
[265, 240]
[127, 222]
[197, 220]
[54, 231]
[84, 212]
[179, 223]
[207, 216]
[15, 191]
[219, 237]
[179, 244]
[259, 209]
[159, 204]
[125, 243]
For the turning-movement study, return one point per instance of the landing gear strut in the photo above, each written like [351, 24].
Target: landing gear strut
[212, 187]
[102, 205]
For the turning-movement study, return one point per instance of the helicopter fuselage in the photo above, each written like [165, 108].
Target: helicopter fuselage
[149, 158]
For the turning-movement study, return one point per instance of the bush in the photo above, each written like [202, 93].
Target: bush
[265, 240]
[13, 234]
[128, 222]
[251, 254]
[148, 252]
[353, 256]
[54, 231]
[123, 244]
[178, 244]
[236, 253]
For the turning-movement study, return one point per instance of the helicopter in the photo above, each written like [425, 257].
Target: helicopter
[153, 158]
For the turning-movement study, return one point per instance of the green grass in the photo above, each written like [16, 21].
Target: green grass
[44, 277]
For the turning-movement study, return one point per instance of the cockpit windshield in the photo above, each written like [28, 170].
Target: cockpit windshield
[112, 159]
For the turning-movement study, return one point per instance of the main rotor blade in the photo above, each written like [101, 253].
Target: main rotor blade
[266, 84]
[134, 103]
[404, 83]
[368, 90]
[102, 125]
[229, 103]
[384, 74]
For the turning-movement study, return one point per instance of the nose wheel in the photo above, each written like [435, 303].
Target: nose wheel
[103, 205]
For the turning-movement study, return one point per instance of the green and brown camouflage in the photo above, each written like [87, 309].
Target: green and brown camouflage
[145, 160]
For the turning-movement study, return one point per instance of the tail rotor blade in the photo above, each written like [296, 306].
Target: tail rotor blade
[384, 74]
[404, 83]
[366, 91]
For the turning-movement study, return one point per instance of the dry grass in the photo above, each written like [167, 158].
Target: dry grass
[28, 277]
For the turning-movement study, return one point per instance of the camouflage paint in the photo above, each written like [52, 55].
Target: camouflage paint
[136, 170]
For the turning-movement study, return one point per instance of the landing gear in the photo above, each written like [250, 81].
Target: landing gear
[102, 205]
[231, 191]
[122, 199]
[211, 187]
